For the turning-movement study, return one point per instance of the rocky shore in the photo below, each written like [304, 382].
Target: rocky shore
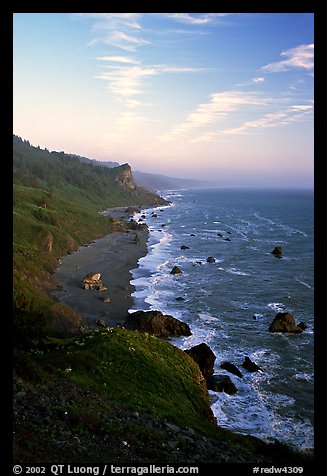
[74, 424]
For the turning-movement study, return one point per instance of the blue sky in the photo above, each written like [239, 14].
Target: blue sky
[226, 97]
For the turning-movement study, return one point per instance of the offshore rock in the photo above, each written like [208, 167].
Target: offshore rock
[251, 366]
[285, 322]
[157, 324]
[221, 383]
[277, 251]
[204, 357]
[231, 368]
[302, 325]
[210, 259]
[176, 270]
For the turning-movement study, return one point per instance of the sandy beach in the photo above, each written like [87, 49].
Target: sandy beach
[114, 256]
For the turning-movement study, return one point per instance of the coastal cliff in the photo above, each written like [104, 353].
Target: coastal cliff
[107, 394]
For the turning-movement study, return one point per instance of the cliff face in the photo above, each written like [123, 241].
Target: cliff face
[125, 178]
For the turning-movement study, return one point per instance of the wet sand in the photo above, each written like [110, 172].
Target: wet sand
[114, 256]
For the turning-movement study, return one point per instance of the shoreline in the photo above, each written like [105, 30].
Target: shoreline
[114, 256]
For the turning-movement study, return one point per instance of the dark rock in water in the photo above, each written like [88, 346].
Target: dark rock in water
[251, 366]
[192, 234]
[184, 247]
[284, 322]
[277, 251]
[220, 234]
[210, 259]
[179, 298]
[227, 239]
[229, 232]
[154, 215]
[221, 383]
[176, 270]
[134, 225]
[231, 368]
[302, 325]
[157, 324]
[204, 357]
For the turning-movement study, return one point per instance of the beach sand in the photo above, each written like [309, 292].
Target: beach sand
[114, 256]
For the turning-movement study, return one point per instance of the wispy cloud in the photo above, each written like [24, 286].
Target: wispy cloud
[119, 59]
[291, 114]
[105, 21]
[196, 18]
[301, 57]
[128, 81]
[259, 79]
[252, 81]
[121, 30]
[124, 41]
[220, 105]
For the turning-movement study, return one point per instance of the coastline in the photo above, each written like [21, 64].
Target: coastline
[114, 256]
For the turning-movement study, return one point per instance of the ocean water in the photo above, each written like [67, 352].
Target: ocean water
[229, 304]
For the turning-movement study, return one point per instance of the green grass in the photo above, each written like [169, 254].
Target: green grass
[137, 370]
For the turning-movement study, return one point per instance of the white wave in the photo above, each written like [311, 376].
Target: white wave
[257, 315]
[277, 306]
[304, 283]
[256, 413]
[304, 376]
[280, 225]
[164, 265]
[237, 272]
[207, 317]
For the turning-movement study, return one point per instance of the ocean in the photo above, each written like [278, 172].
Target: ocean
[230, 303]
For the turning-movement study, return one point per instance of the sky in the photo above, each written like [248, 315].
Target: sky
[225, 97]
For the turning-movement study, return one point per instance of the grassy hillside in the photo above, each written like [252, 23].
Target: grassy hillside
[57, 202]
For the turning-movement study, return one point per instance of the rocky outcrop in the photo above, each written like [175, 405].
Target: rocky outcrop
[133, 225]
[251, 366]
[285, 322]
[176, 270]
[157, 324]
[302, 325]
[184, 247]
[277, 251]
[133, 210]
[231, 368]
[93, 281]
[204, 357]
[125, 177]
[221, 383]
[210, 259]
